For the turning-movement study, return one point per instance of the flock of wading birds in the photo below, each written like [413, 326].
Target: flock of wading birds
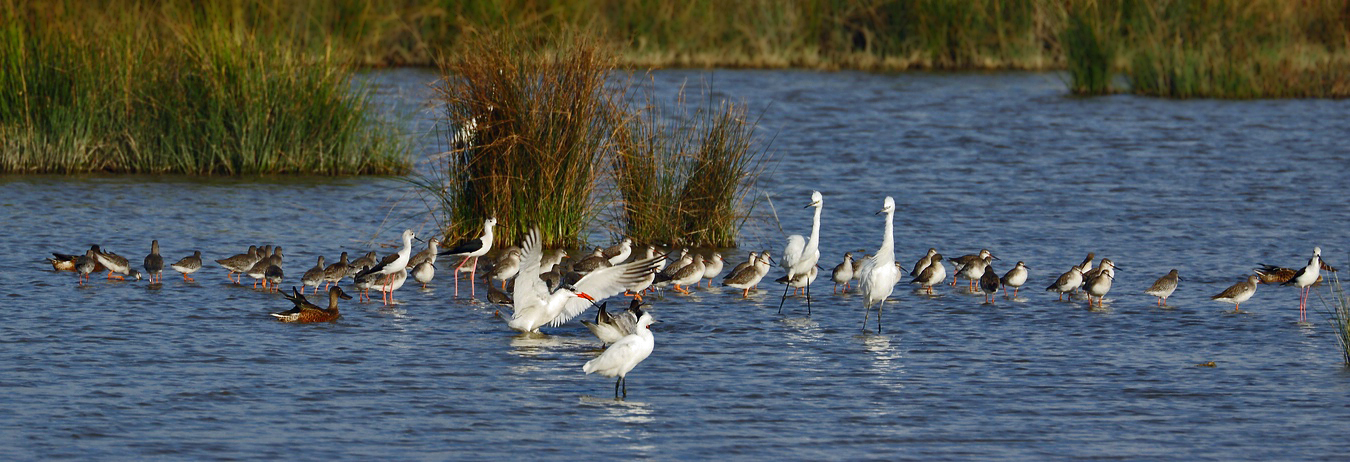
[548, 292]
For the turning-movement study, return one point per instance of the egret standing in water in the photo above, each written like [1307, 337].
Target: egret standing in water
[879, 274]
[801, 255]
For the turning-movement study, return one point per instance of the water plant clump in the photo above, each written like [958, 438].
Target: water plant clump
[530, 129]
[542, 137]
[683, 177]
[1338, 316]
[151, 89]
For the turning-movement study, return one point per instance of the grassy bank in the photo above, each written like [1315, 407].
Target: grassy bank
[1173, 48]
[124, 87]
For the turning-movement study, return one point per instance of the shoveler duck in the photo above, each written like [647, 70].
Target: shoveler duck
[154, 263]
[305, 311]
[188, 265]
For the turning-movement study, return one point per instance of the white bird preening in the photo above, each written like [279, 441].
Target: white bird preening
[1304, 279]
[534, 305]
[801, 255]
[879, 274]
[472, 249]
[621, 357]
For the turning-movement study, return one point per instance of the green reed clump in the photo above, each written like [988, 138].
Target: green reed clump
[683, 177]
[1089, 47]
[1338, 316]
[540, 119]
[155, 90]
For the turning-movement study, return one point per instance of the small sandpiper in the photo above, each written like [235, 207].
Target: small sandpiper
[1164, 287]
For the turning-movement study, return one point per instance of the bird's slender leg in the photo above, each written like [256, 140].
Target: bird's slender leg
[879, 307]
[867, 311]
[808, 302]
[616, 387]
[473, 272]
[784, 299]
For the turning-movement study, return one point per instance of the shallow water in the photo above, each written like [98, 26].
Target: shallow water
[122, 370]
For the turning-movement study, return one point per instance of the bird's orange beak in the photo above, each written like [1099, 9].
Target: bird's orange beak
[585, 296]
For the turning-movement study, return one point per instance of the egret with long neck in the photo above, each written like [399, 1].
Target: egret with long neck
[879, 274]
[802, 254]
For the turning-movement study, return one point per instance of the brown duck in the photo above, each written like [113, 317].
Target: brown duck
[305, 311]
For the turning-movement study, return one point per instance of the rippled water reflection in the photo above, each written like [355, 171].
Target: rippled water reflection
[121, 370]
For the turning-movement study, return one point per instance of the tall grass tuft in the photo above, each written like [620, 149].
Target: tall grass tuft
[683, 177]
[541, 119]
[1089, 40]
[145, 88]
[1338, 316]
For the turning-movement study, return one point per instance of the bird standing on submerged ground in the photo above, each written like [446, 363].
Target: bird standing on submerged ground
[472, 249]
[361, 264]
[240, 264]
[619, 252]
[749, 276]
[923, 262]
[931, 275]
[1164, 286]
[971, 266]
[314, 276]
[1100, 283]
[305, 311]
[1238, 293]
[712, 267]
[973, 270]
[534, 305]
[114, 262]
[154, 263]
[689, 275]
[1303, 279]
[424, 272]
[84, 264]
[188, 265]
[621, 357]
[1067, 282]
[880, 274]
[333, 274]
[259, 270]
[386, 285]
[989, 283]
[393, 263]
[506, 267]
[1015, 278]
[843, 273]
[800, 255]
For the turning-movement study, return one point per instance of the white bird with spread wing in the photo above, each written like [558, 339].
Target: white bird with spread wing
[535, 306]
